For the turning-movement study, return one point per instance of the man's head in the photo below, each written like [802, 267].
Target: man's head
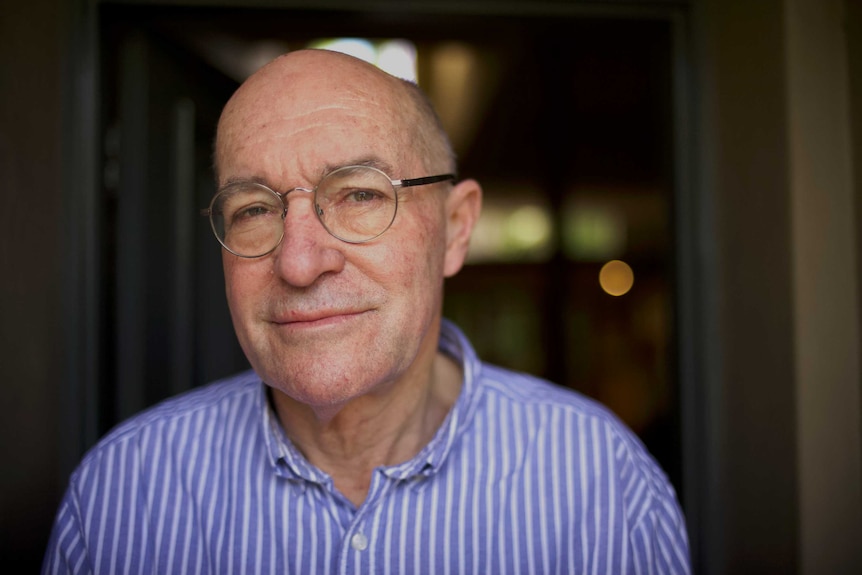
[322, 320]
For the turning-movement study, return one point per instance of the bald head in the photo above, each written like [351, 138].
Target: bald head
[324, 320]
[300, 86]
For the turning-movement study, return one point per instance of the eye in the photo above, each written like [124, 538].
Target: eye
[360, 196]
[244, 214]
[251, 212]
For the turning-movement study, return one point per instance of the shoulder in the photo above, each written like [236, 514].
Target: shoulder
[604, 453]
[230, 401]
[577, 424]
[584, 450]
[529, 393]
[151, 467]
[548, 402]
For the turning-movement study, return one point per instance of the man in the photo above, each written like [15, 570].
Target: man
[369, 438]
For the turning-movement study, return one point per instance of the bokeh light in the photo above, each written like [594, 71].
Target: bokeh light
[616, 278]
[396, 57]
[528, 227]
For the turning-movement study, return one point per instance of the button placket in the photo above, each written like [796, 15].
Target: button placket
[359, 540]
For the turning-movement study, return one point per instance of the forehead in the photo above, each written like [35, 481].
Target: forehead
[308, 120]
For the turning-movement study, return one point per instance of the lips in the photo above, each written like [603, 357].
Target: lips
[318, 317]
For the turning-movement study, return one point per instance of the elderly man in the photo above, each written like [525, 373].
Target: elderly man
[368, 438]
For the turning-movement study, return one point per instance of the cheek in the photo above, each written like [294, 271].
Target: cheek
[423, 277]
[243, 280]
[231, 283]
[415, 258]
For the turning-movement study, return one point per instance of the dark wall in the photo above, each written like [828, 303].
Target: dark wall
[31, 185]
[853, 17]
[745, 170]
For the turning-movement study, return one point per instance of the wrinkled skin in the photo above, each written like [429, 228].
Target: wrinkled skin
[346, 335]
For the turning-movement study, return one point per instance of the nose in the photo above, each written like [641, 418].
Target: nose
[307, 251]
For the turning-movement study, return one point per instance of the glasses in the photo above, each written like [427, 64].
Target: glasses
[354, 203]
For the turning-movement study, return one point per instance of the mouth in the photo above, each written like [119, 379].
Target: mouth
[301, 320]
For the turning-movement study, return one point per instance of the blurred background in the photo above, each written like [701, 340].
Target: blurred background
[670, 226]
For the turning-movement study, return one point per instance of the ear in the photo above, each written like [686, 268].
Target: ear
[463, 204]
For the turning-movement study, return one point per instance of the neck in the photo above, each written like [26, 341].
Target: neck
[378, 429]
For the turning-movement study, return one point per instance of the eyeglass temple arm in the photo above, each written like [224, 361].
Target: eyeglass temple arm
[423, 181]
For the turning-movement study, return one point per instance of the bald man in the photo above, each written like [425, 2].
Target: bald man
[368, 437]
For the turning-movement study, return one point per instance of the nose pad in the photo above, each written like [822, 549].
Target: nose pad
[286, 202]
[284, 195]
[318, 211]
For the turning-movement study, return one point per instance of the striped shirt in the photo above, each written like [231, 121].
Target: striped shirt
[521, 477]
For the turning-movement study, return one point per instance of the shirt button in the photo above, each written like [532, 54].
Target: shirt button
[359, 542]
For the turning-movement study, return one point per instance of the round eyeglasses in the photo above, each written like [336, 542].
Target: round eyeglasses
[354, 203]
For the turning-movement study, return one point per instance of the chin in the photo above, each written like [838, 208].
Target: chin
[323, 385]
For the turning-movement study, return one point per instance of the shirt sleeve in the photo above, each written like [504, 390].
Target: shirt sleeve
[656, 536]
[67, 551]
[659, 541]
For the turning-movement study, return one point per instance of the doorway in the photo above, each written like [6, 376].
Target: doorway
[566, 119]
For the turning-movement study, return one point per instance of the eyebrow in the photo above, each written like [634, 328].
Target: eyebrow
[252, 180]
[369, 161]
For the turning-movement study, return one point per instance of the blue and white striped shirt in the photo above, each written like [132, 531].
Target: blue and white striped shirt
[522, 477]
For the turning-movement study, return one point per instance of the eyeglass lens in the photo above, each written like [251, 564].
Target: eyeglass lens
[354, 204]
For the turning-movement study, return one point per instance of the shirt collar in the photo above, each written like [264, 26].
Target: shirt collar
[289, 462]
[428, 461]
[283, 454]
